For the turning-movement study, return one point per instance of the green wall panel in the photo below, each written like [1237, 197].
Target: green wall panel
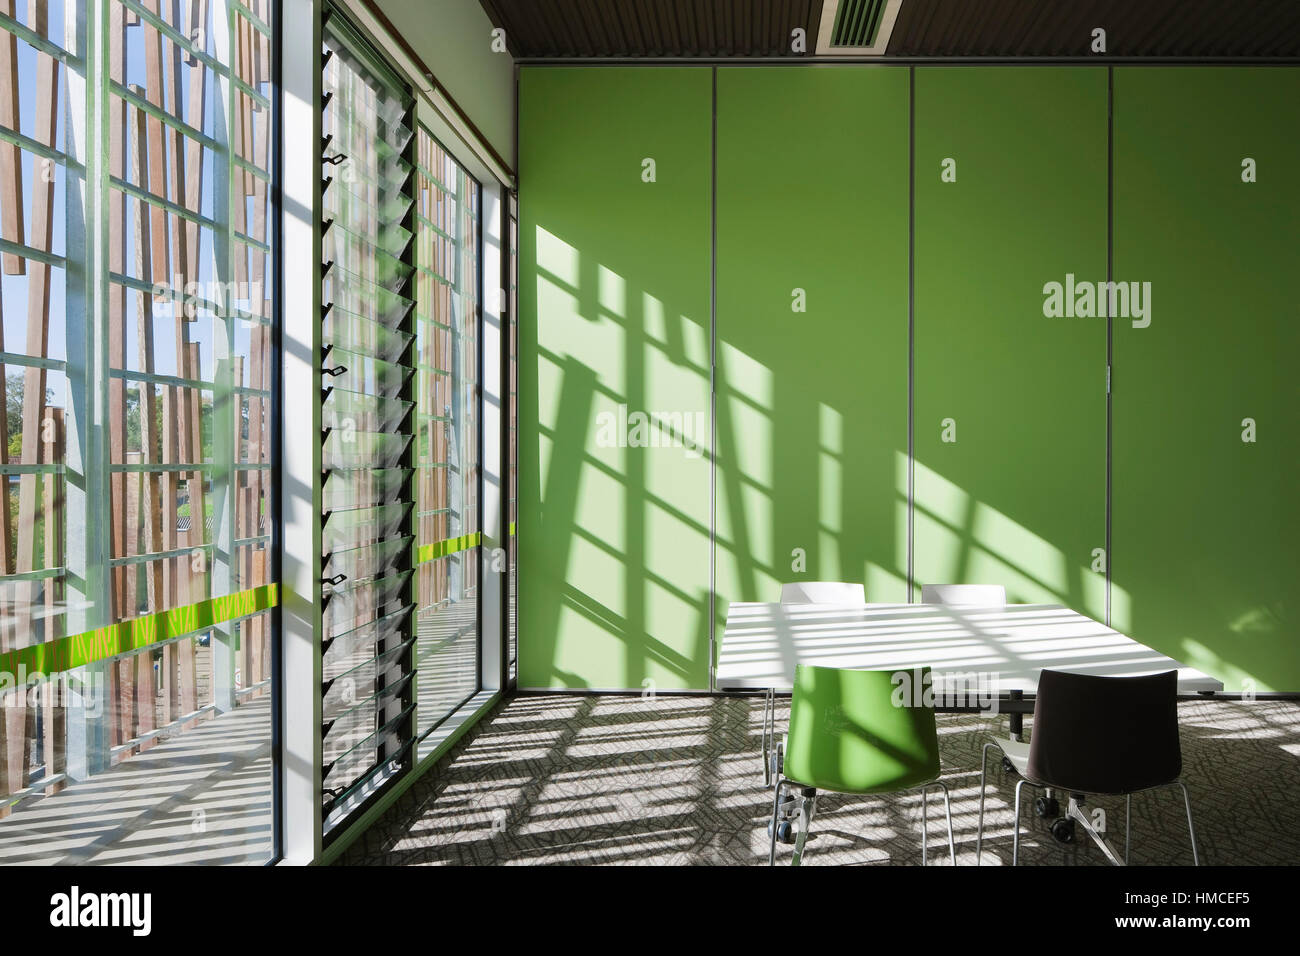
[1019, 498]
[811, 405]
[1205, 526]
[614, 292]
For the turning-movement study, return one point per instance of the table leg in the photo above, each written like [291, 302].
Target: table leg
[1016, 720]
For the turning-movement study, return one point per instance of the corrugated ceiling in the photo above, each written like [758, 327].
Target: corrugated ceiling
[653, 28]
[924, 28]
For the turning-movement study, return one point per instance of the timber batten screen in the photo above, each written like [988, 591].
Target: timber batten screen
[136, 190]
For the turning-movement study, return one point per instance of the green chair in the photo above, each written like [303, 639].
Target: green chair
[857, 731]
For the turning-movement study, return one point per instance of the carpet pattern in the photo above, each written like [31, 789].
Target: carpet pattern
[565, 779]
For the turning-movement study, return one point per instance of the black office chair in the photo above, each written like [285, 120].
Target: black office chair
[1095, 736]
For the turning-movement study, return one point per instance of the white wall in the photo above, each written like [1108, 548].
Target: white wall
[454, 38]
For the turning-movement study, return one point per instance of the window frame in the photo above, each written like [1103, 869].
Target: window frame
[300, 728]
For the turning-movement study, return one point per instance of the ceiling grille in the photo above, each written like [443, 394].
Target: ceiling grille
[856, 22]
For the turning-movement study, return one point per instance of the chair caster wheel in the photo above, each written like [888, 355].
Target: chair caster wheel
[784, 831]
[1008, 766]
[1063, 831]
[1047, 807]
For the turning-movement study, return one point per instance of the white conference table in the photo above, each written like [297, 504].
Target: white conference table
[998, 651]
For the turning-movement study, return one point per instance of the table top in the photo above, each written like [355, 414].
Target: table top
[1004, 647]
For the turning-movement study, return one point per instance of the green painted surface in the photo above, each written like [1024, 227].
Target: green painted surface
[1205, 525]
[812, 405]
[1019, 498]
[614, 312]
[858, 731]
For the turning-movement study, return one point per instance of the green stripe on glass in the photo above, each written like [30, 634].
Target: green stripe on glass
[77, 650]
[440, 549]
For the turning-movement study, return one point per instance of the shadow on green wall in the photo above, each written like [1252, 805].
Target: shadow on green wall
[607, 516]
[980, 541]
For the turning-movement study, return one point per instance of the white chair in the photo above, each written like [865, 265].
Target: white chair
[802, 592]
[964, 595]
[823, 592]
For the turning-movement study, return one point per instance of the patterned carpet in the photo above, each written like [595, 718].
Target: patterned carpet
[622, 779]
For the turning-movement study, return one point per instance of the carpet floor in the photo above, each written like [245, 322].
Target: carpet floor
[566, 779]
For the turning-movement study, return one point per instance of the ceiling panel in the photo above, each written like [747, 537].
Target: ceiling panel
[1150, 28]
[924, 28]
[653, 28]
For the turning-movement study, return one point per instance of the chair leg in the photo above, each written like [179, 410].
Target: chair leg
[925, 820]
[776, 813]
[1128, 820]
[805, 821]
[979, 832]
[1015, 840]
[947, 811]
[1191, 830]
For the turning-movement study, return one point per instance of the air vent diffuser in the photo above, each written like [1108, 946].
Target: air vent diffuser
[856, 22]
[856, 27]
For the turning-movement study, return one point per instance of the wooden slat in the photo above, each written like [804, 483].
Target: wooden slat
[6, 520]
[122, 608]
[172, 90]
[169, 482]
[150, 439]
[38, 297]
[242, 500]
[194, 149]
[11, 772]
[153, 94]
[11, 169]
[146, 693]
[196, 26]
[163, 79]
[41, 237]
[263, 11]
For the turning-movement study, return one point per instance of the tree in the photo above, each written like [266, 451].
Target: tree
[14, 412]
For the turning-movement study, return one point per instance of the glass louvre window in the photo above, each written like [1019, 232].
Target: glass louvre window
[136, 266]
[368, 322]
[447, 445]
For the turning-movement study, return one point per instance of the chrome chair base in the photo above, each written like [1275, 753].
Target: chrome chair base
[783, 811]
[1076, 813]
